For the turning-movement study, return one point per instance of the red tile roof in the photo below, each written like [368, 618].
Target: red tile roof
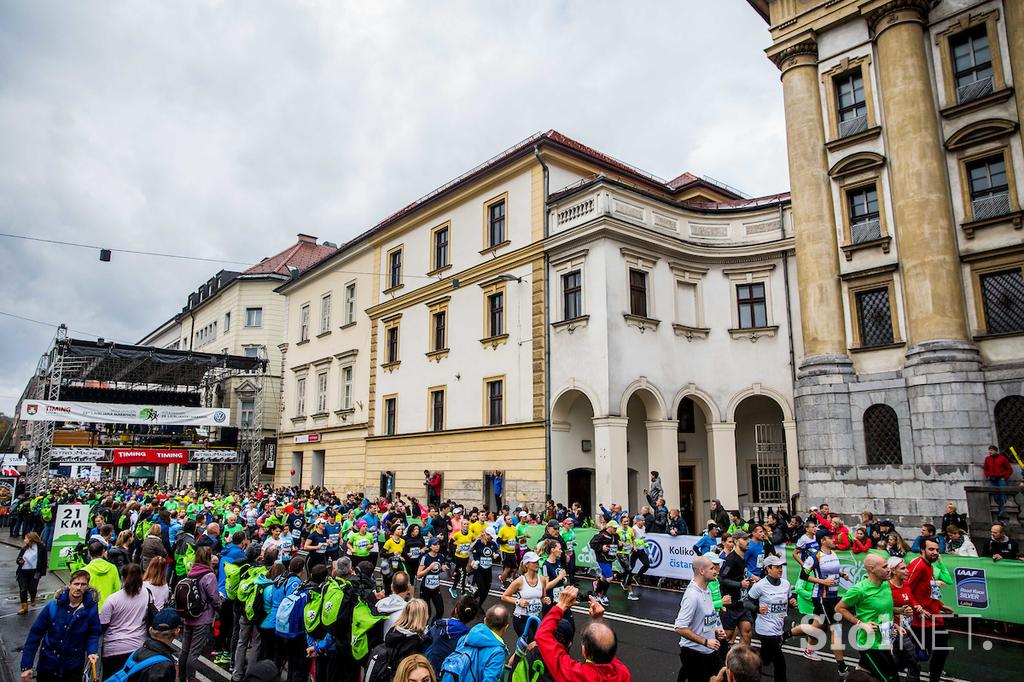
[682, 180]
[304, 254]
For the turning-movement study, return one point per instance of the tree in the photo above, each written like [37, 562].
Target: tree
[6, 432]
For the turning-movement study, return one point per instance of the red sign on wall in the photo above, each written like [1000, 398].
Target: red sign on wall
[149, 456]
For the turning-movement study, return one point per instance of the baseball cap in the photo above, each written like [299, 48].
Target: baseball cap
[565, 631]
[166, 620]
[568, 522]
[523, 515]
[740, 535]
[612, 524]
[713, 558]
[552, 524]
[772, 560]
[531, 558]
[433, 540]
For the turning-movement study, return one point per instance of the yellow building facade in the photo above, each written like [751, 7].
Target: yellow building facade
[903, 132]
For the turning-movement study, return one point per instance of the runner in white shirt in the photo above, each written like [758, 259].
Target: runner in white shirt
[698, 624]
[773, 597]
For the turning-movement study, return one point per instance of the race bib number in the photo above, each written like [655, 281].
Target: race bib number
[760, 561]
[333, 538]
[485, 562]
[396, 565]
[712, 622]
[777, 609]
[613, 549]
[432, 581]
[363, 544]
[533, 607]
[556, 593]
[885, 632]
[936, 590]
[414, 552]
[463, 548]
[524, 545]
[296, 533]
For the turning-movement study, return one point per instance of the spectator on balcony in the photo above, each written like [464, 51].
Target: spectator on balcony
[1000, 545]
[998, 471]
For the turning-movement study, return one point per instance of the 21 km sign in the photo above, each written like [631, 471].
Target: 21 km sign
[71, 526]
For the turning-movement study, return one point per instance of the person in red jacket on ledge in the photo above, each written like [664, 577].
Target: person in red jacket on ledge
[998, 471]
[599, 645]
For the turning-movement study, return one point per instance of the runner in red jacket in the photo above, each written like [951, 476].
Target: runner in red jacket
[925, 591]
[599, 645]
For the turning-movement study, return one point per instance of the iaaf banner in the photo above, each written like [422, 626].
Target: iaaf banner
[116, 413]
[149, 456]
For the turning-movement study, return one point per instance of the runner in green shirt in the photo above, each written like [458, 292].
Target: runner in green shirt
[871, 598]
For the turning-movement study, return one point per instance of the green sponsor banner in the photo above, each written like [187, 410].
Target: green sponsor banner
[974, 586]
[70, 528]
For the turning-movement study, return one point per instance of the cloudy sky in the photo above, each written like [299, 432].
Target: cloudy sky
[222, 129]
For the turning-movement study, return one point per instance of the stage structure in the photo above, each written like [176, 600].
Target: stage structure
[115, 404]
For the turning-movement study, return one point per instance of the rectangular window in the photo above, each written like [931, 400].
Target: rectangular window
[247, 410]
[390, 415]
[972, 64]
[1002, 294]
[495, 402]
[395, 269]
[440, 330]
[751, 305]
[874, 317]
[346, 388]
[572, 295]
[227, 322]
[325, 313]
[441, 247]
[251, 351]
[350, 303]
[851, 105]
[304, 323]
[437, 410]
[300, 397]
[496, 223]
[254, 317]
[686, 304]
[865, 224]
[321, 391]
[496, 314]
[392, 344]
[638, 292]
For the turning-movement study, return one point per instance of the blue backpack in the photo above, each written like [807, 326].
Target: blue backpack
[458, 667]
[132, 666]
[288, 622]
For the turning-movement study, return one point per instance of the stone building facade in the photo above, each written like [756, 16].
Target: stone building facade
[903, 126]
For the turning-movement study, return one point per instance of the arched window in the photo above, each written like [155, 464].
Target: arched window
[1009, 418]
[882, 435]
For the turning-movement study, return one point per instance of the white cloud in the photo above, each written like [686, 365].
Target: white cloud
[223, 128]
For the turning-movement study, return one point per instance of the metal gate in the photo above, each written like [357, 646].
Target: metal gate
[770, 464]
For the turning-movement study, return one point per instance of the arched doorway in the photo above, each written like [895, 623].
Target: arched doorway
[693, 415]
[647, 448]
[1009, 420]
[572, 450]
[762, 477]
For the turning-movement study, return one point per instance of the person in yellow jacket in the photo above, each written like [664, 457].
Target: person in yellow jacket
[103, 576]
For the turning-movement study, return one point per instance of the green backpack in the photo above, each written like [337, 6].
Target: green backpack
[183, 562]
[247, 588]
[323, 607]
[233, 575]
[363, 620]
[142, 529]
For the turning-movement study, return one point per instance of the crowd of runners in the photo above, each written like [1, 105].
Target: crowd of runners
[274, 583]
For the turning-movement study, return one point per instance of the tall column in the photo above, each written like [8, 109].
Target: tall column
[612, 479]
[663, 457]
[1015, 41]
[792, 457]
[814, 223]
[723, 473]
[924, 231]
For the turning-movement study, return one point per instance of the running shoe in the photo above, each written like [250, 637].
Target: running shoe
[633, 596]
[811, 655]
[843, 670]
[452, 591]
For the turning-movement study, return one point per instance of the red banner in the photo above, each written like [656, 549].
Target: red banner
[149, 456]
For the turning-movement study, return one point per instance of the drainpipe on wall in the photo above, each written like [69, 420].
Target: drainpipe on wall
[547, 340]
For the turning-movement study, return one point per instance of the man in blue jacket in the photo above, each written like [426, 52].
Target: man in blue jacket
[234, 553]
[483, 650]
[65, 633]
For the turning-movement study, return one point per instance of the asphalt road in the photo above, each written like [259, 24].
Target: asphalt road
[647, 644]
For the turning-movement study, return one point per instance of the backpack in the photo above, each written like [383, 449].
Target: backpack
[142, 529]
[326, 606]
[288, 623]
[188, 598]
[233, 574]
[458, 667]
[184, 560]
[380, 666]
[132, 666]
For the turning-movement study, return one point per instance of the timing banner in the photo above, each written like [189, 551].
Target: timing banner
[116, 413]
[149, 456]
